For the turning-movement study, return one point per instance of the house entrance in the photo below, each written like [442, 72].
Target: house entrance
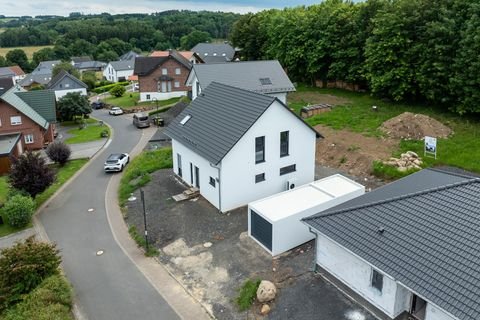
[418, 308]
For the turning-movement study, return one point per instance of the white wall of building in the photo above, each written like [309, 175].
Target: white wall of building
[206, 171]
[403, 300]
[435, 313]
[282, 96]
[113, 75]
[239, 168]
[61, 93]
[356, 274]
[149, 96]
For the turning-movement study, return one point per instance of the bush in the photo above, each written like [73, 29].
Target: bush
[30, 173]
[19, 210]
[247, 294]
[59, 152]
[117, 91]
[107, 87]
[24, 266]
[52, 299]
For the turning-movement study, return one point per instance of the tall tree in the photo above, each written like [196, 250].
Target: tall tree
[18, 57]
[73, 104]
[190, 40]
[66, 66]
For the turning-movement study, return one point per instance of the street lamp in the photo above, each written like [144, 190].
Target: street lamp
[156, 102]
[132, 198]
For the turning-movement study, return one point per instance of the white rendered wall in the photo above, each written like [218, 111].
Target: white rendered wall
[123, 73]
[435, 313]
[61, 93]
[206, 171]
[161, 95]
[282, 96]
[356, 274]
[403, 300]
[239, 168]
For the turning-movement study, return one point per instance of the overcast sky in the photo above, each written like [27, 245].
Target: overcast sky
[64, 7]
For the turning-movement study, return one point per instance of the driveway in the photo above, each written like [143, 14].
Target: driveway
[211, 255]
[107, 286]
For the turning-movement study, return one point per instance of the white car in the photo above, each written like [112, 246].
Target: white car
[115, 111]
[116, 162]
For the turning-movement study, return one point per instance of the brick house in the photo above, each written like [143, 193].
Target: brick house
[30, 114]
[162, 78]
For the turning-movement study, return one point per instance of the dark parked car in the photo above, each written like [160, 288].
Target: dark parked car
[98, 105]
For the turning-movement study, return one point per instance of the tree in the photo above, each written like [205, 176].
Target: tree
[18, 210]
[117, 91]
[89, 78]
[24, 266]
[66, 66]
[44, 54]
[30, 173]
[193, 38]
[3, 62]
[58, 152]
[18, 57]
[73, 104]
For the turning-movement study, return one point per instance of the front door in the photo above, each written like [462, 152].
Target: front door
[164, 86]
[418, 308]
[197, 177]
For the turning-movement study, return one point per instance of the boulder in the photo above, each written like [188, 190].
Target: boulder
[266, 291]
[412, 154]
[265, 309]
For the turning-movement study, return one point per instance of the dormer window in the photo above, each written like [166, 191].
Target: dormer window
[185, 119]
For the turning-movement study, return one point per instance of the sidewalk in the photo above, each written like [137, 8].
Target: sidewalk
[168, 287]
[10, 240]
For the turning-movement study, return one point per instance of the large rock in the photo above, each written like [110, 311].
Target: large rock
[266, 291]
[265, 309]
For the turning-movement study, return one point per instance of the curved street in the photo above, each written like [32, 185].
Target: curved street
[108, 286]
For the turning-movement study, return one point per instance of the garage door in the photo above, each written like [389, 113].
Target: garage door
[261, 229]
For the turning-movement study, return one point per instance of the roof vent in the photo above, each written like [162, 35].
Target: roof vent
[381, 230]
[185, 120]
[265, 81]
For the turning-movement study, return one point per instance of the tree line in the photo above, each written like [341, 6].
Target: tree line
[422, 50]
[105, 37]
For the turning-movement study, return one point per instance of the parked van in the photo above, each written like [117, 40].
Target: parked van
[141, 120]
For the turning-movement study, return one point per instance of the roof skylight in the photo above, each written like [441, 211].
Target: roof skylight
[185, 119]
[265, 81]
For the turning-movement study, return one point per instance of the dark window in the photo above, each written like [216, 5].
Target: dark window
[265, 81]
[288, 169]
[191, 173]
[259, 149]
[179, 164]
[259, 177]
[284, 144]
[148, 97]
[212, 182]
[377, 280]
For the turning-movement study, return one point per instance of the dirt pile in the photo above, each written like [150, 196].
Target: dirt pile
[414, 126]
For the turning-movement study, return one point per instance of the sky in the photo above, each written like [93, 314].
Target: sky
[64, 7]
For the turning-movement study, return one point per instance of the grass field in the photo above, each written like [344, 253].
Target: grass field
[462, 149]
[63, 174]
[130, 100]
[28, 50]
[91, 132]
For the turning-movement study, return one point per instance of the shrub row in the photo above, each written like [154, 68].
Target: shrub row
[109, 86]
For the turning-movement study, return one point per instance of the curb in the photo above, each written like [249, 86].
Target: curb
[164, 282]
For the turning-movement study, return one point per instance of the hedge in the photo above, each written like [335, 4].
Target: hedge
[109, 86]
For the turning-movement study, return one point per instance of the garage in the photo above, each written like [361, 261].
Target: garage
[275, 222]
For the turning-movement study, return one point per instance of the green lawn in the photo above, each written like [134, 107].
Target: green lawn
[462, 149]
[91, 132]
[130, 100]
[63, 174]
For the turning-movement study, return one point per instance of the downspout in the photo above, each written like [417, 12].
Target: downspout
[314, 267]
[219, 185]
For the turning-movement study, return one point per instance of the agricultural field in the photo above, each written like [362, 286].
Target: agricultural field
[28, 50]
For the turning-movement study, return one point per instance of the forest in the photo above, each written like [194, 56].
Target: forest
[402, 50]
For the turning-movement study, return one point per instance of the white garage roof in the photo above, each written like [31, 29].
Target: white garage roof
[285, 204]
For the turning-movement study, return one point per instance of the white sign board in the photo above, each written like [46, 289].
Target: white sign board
[430, 146]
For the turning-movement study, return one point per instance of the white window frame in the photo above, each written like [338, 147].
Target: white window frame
[29, 139]
[176, 84]
[164, 71]
[178, 71]
[16, 120]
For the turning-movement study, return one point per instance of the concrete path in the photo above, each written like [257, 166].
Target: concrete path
[10, 240]
[107, 286]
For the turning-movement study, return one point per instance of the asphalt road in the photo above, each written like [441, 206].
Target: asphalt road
[108, 286]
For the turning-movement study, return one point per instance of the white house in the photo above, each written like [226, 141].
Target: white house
[116, 71]
[64, 83]
[410, 247]
[267, 77]
[238, 146]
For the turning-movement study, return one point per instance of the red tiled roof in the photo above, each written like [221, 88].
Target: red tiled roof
[17, 70]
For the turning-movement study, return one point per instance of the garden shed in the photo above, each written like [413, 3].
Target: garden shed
[275, 222]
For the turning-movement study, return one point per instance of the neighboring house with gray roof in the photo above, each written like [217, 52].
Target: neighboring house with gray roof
[31, 114]
[83, 66]
[238, 146]
[214, 52]
[14, 72]
[64, 83]
[410, 247]
[116, 71]
[40, 76]
[130, 55]
[267, 77]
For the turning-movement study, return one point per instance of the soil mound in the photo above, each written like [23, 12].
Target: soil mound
[414, 126]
